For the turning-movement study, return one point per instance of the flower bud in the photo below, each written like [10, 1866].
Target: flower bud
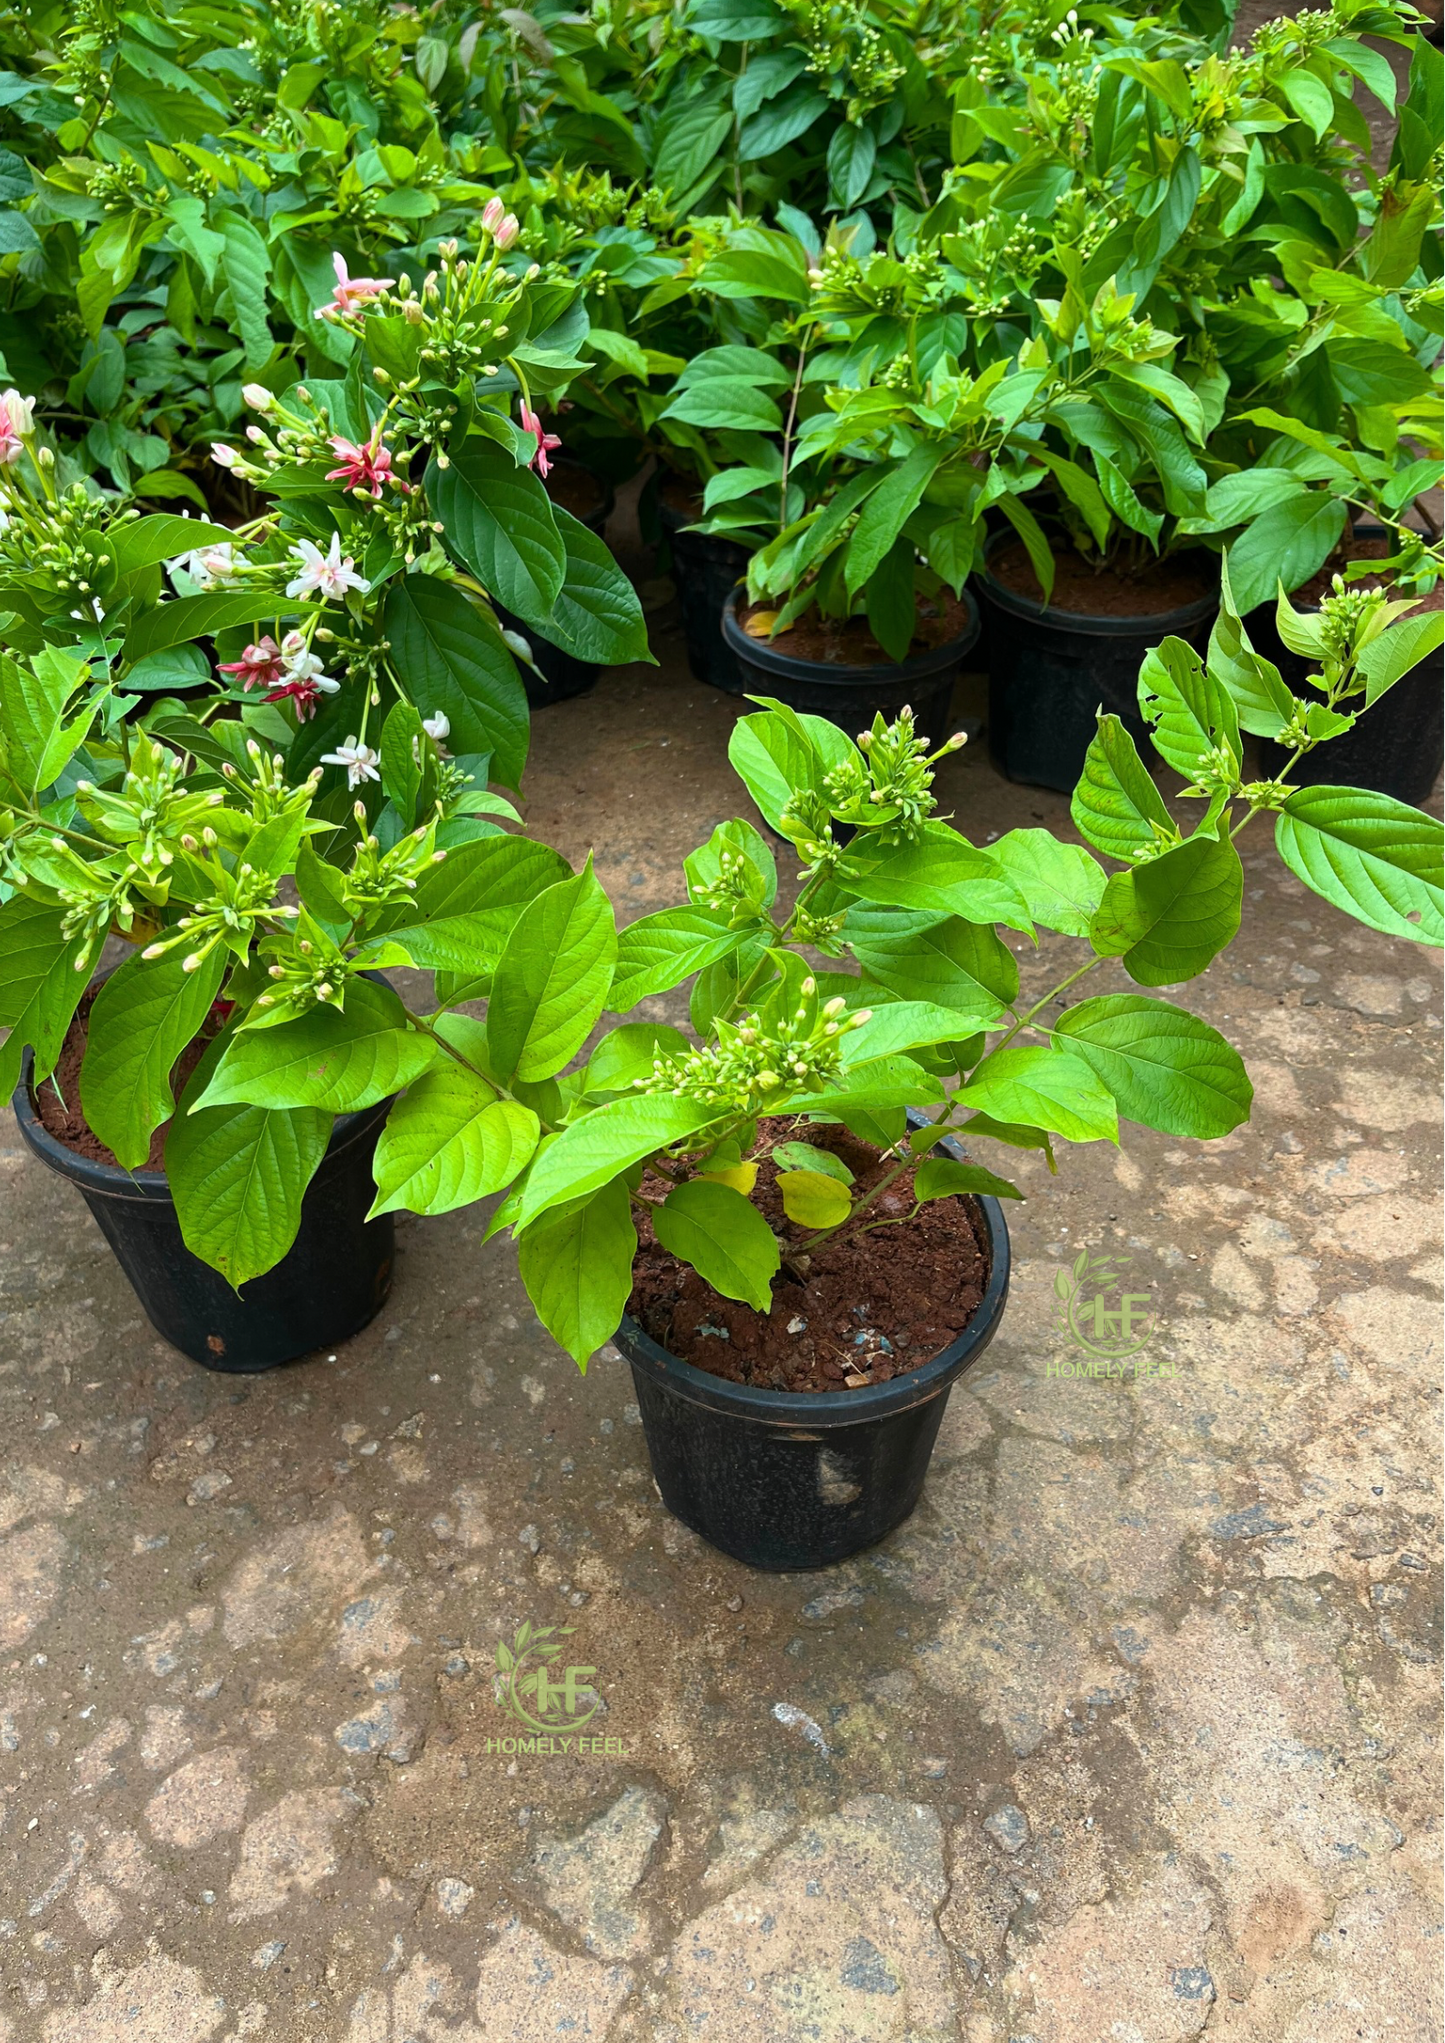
[508, 231]
[493, 213]
[810, 986]
[864, 1014]
[191, 963]
[834, 1007]
[257, 397]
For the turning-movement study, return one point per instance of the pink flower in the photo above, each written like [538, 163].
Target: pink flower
[16, 426]
[260, 666]
[365, 467]
[305, 681]
[351, 292]
[508, 230]
[324, 573]
[493, 213]
[545, 441]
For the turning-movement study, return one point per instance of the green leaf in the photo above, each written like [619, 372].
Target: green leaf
[899, 1025]
[880, 1083]
[726, 403]
[722, 1236]
[590, 1152]
[940, 871]
[886, 512]
[1116, 805]
[450, 1140]
[40, 987]
[629, 1052]
[450, 657]
[1165, 1067]
[1060, 883]
[1043, 1088]
[891, 604]
[1396, 651]
[759, 264]
[597, 615]
[1310, 98]
[552, 980]
[959, 965]
[1374, 857]
[186, 618]
[1262, 702]
[141, 1020]
[500, 520]
[660, 951]
[463, 910]
[578, 1271]
[339, 1061]
[1192, 712]
[1287, 543]
[803, 1156]
[852, 153]
[813, 1198]
[161, 537]
[238, 1175]
[940, 1177]
[36, 743]
[1170, 916]
[781, 121]
[246, 265]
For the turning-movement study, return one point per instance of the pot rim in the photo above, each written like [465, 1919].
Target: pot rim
[885, 674]
[1049, 616]
[825, 1410]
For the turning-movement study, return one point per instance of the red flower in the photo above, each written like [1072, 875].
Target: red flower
[545, 441]
[304, 693]
[365, 467]
[260, 666]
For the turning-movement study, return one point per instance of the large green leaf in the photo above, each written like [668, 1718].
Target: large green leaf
[463, 910]
[1169, 917]
[590, 1152]
[450, 1140]
[499, 519]
[723, 1237]
[1043, 1088]
[959, 965]
[141, 1020]
[449, 656]
[40, 988]
[578, 1271]
[886, 512]
[161, 537]
[1192, 712]
[36, 741]
[1115, 804]
[238, 1175]
[1287, 543]
[940, 1177]
[1061, 883]
[552, 980]
[597, 615]
[246, 265]
[941, 872]
[339, 1061]
[659, 951]
[898, 1025]
[184, 618]
[1374, 857]
[726, 403]
[1166, 1068]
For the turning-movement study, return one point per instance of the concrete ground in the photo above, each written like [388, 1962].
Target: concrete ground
[1131, 1733]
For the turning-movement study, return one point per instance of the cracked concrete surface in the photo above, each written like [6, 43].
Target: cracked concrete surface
[1131, 1733]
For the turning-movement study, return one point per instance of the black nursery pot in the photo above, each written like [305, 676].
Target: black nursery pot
[706, 569]
[851, 696]
[1051, 671]
[562, 675]
[788, 1481]
[1397, 746]
[331, 1283]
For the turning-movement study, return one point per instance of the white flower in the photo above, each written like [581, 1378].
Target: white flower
[206, 566]
[358, 759]
[326, 573]
[222, 455]
[257, 396]
[438, 726]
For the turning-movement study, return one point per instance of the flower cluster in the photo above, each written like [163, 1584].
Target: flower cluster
[753, 1065]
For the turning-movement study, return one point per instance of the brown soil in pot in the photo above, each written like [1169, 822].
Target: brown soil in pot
[871, 1309]
[57, 1101]
[1085, 591]
[575, 488]
[683, 497]
[849, 643]
[1359, 547]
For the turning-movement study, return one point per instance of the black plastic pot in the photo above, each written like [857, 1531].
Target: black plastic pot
[706, 569]
[1397, 746]
[1051, 671]
[562, 675]
[851, 696]
[332, 1281]
[794, 1480]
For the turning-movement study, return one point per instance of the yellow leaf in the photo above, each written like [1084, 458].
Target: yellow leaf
[812, 1199]
[741, 1176]
[760, 623]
